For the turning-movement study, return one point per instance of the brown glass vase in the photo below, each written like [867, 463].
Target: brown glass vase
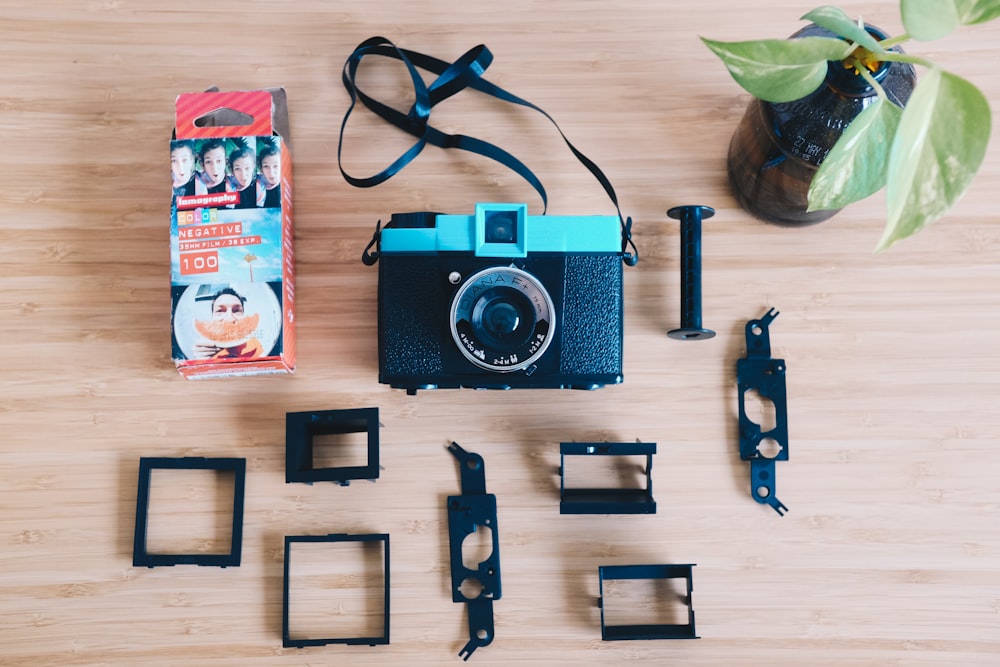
[777, 147]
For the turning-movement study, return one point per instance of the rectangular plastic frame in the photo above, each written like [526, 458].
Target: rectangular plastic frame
[650, 631]
[286, 639]
[141, 558]
[302, 427]
[606, 501]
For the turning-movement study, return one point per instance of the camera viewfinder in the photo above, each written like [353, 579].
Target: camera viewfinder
[501, 230]
[501, 226]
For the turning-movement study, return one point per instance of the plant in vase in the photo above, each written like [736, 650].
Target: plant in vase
[838, 115]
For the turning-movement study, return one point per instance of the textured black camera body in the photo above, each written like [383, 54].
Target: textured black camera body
[500, 300]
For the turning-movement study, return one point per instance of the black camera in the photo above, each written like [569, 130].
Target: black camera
[499, 300]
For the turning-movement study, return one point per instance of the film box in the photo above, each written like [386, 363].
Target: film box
[231, 236]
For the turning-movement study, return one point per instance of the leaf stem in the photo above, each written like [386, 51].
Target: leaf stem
[890, 56]
[894, 41]
[867, 76]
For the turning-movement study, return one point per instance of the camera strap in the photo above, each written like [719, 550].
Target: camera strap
[466, 72]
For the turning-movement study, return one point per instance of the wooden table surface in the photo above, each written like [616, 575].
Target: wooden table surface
[890, 550]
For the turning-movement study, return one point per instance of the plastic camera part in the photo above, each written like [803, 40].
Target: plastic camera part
[759, 372]
[466, 513]
[140, 557]
[590, 234]
[286, 639]
[653, 630]
[691, 325]
[528, 301]
[606, 500]
[302, 427]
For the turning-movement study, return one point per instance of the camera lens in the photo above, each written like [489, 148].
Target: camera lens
[502, 319]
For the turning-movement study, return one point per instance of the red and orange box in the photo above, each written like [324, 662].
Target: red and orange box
[231, 237]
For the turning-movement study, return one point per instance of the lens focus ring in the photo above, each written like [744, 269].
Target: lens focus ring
[502, 319]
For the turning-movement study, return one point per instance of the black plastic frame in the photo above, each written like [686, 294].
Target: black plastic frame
[760, 372]
[302, 427]
[141, 558]
[286, 639]
[474, 508]
[650, 631]
[603, 500]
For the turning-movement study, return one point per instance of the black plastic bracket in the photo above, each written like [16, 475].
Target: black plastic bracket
[140, 557]
[604, 500]
[302, 427]
[286, 639]
[759, 372]
[473, 509]
[652, 630]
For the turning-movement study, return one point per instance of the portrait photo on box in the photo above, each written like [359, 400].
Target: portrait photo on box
[217, 321]
[249, 166]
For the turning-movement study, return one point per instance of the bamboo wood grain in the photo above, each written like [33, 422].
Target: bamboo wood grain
[890, 551]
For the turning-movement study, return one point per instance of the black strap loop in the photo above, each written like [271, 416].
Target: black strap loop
[369, 256]
[466, 72]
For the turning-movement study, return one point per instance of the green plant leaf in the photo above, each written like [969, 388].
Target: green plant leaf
[779, 70]
[971, 12]
[837, 21]
[855, 168]
[939, 146]
[929, 19]
[932, 19]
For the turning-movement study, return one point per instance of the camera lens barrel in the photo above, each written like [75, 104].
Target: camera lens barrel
[502, 319]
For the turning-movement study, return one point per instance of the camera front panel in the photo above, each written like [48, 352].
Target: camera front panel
[410, 325]
[578, 297]
[593, 317]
